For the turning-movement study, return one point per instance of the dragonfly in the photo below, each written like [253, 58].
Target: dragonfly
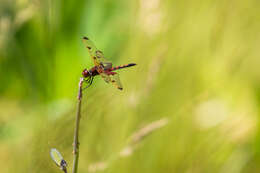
[103, 67]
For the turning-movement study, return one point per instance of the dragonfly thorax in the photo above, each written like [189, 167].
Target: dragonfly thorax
[92, 72]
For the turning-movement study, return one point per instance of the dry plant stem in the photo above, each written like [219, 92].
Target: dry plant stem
[76, 133]
[133, 144]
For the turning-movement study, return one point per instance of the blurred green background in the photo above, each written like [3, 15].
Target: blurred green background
[198, 66]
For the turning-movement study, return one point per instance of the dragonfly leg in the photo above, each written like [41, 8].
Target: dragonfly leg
[89, 82]
[88, 79]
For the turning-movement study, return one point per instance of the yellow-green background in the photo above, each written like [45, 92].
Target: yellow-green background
[198, 65]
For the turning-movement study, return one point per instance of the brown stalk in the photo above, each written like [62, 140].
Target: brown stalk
[76, 132]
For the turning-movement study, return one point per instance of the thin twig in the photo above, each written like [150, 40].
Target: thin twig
[76, 133]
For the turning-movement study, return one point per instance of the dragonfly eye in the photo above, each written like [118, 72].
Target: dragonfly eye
[85, 73]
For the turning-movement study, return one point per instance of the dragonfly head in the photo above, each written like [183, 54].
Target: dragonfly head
[86, 73]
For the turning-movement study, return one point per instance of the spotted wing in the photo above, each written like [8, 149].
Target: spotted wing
[96, 55]
[102, 60]
[106, 77]
[115, 80]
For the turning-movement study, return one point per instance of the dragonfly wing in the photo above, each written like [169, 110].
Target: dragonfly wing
[91, 49]
[96, 55]
[102, 60]
[115, 80]
[106, 77]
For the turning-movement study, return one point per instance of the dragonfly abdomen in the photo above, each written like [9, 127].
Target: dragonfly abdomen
[93, 71]
[122, 66]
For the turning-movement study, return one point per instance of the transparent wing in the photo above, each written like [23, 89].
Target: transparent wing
[115, 80]
[112, 78]
[96, 55]
[106, 77]
[91, 49]
[102, 60]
